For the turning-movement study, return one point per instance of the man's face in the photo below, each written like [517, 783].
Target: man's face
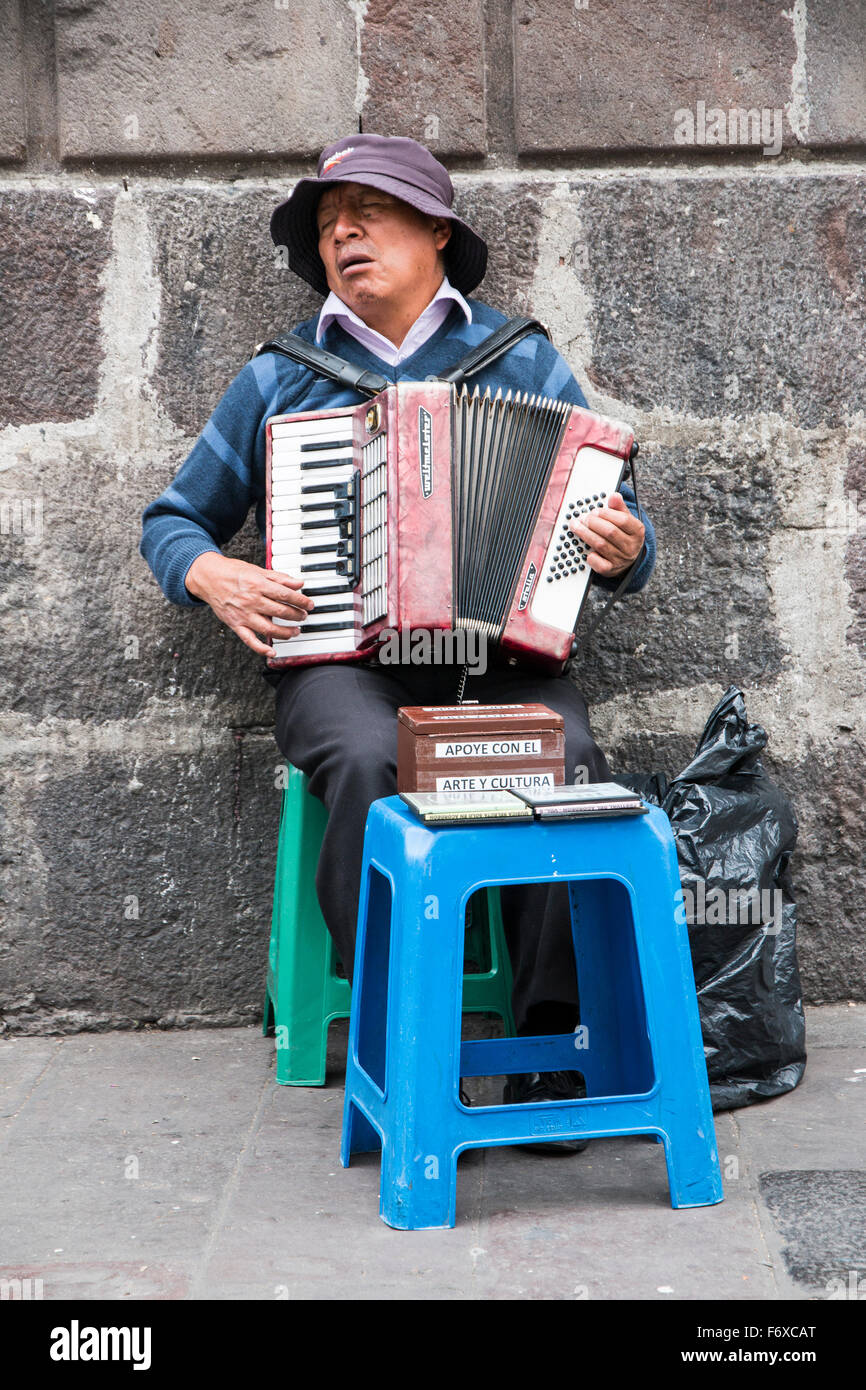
[376, 248]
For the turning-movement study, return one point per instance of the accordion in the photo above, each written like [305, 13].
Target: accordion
[430, 507]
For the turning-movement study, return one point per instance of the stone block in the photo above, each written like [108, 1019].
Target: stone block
[55, 247]
[706, 614]
[13, 132]
[727, 296]
[225, 287]
[424, 73]
[88, 635]
[509, 217]
[143, 886]
[853, 521]
[827, 788]
[590, 76]
[255, 78]
[835, 47]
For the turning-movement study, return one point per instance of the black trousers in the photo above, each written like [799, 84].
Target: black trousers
[338, 724]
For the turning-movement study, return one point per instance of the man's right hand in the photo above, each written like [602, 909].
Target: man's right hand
[247, 598]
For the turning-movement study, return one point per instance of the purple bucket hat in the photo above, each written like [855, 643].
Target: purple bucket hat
[396, 165]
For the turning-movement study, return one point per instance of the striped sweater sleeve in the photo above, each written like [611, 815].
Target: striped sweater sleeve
[223, 476]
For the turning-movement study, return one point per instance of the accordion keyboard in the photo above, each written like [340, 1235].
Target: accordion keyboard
[314, 531]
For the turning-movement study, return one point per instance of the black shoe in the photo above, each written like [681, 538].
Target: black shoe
[527, 1087]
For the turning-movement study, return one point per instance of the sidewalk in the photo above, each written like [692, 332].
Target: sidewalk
[171, 1166]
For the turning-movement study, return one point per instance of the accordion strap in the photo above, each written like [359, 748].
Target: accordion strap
[494, 345]
[325, 363]
[335, 368]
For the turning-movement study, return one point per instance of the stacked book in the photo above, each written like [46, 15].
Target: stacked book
[587, 800]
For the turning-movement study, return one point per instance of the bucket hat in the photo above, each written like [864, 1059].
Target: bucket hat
[396, 165]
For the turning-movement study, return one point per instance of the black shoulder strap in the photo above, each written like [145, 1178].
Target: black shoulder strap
[498, 342]
[368, 383]
[325, 363]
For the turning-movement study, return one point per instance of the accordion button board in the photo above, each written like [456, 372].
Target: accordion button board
[565, 574]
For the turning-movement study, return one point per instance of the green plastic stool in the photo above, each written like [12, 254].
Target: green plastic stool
[304, 992]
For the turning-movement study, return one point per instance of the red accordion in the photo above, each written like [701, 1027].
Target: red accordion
[433, 508]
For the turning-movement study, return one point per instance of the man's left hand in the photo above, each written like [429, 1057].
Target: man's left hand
[612, 535]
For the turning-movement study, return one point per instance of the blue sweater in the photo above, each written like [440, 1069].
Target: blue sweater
[224, 475]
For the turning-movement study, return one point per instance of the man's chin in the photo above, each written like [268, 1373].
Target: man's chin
[358, 293]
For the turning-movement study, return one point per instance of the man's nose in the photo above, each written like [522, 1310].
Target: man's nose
[347, 224]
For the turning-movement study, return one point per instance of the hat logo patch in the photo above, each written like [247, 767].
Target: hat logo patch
[335, 158]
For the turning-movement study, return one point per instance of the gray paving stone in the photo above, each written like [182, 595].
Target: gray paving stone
[208, 1082]
[837, 1025]
[821, 1216]
[84, 1280]
[266, 1211]
[170, 1207]
[23, 1063]
[820, 1124]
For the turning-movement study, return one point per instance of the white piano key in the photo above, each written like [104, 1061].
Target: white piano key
[311, 577]
[317, 646]
[293, 485]
[289, 521]
[330, 427]
[320, 535]
[285, 465]
[296, 495]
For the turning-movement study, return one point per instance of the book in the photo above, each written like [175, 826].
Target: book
[586, 799]
[467, 808]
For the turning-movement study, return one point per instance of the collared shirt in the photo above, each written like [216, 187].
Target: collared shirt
[423, 328]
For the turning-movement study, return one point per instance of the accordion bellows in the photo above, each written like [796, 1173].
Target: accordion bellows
[431, 508]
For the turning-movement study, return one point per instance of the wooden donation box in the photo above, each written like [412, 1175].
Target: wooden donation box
[476, 748]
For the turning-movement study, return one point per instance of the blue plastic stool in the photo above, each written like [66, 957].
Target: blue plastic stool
[643, 1061]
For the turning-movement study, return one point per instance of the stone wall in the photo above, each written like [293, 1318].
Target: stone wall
[678, 191]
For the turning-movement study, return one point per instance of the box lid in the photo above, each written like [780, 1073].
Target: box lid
[478, 719]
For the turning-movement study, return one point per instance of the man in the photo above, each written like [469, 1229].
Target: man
[375, 232]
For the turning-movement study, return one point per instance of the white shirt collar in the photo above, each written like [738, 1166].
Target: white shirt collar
[426, 324]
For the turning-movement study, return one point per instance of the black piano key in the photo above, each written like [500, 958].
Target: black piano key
[326, 444]
[315, 569]
[325, 627]
[326, 463]
[337, 549]
[327, 589]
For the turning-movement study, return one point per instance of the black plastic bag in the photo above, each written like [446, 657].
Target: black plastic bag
[735, 832]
